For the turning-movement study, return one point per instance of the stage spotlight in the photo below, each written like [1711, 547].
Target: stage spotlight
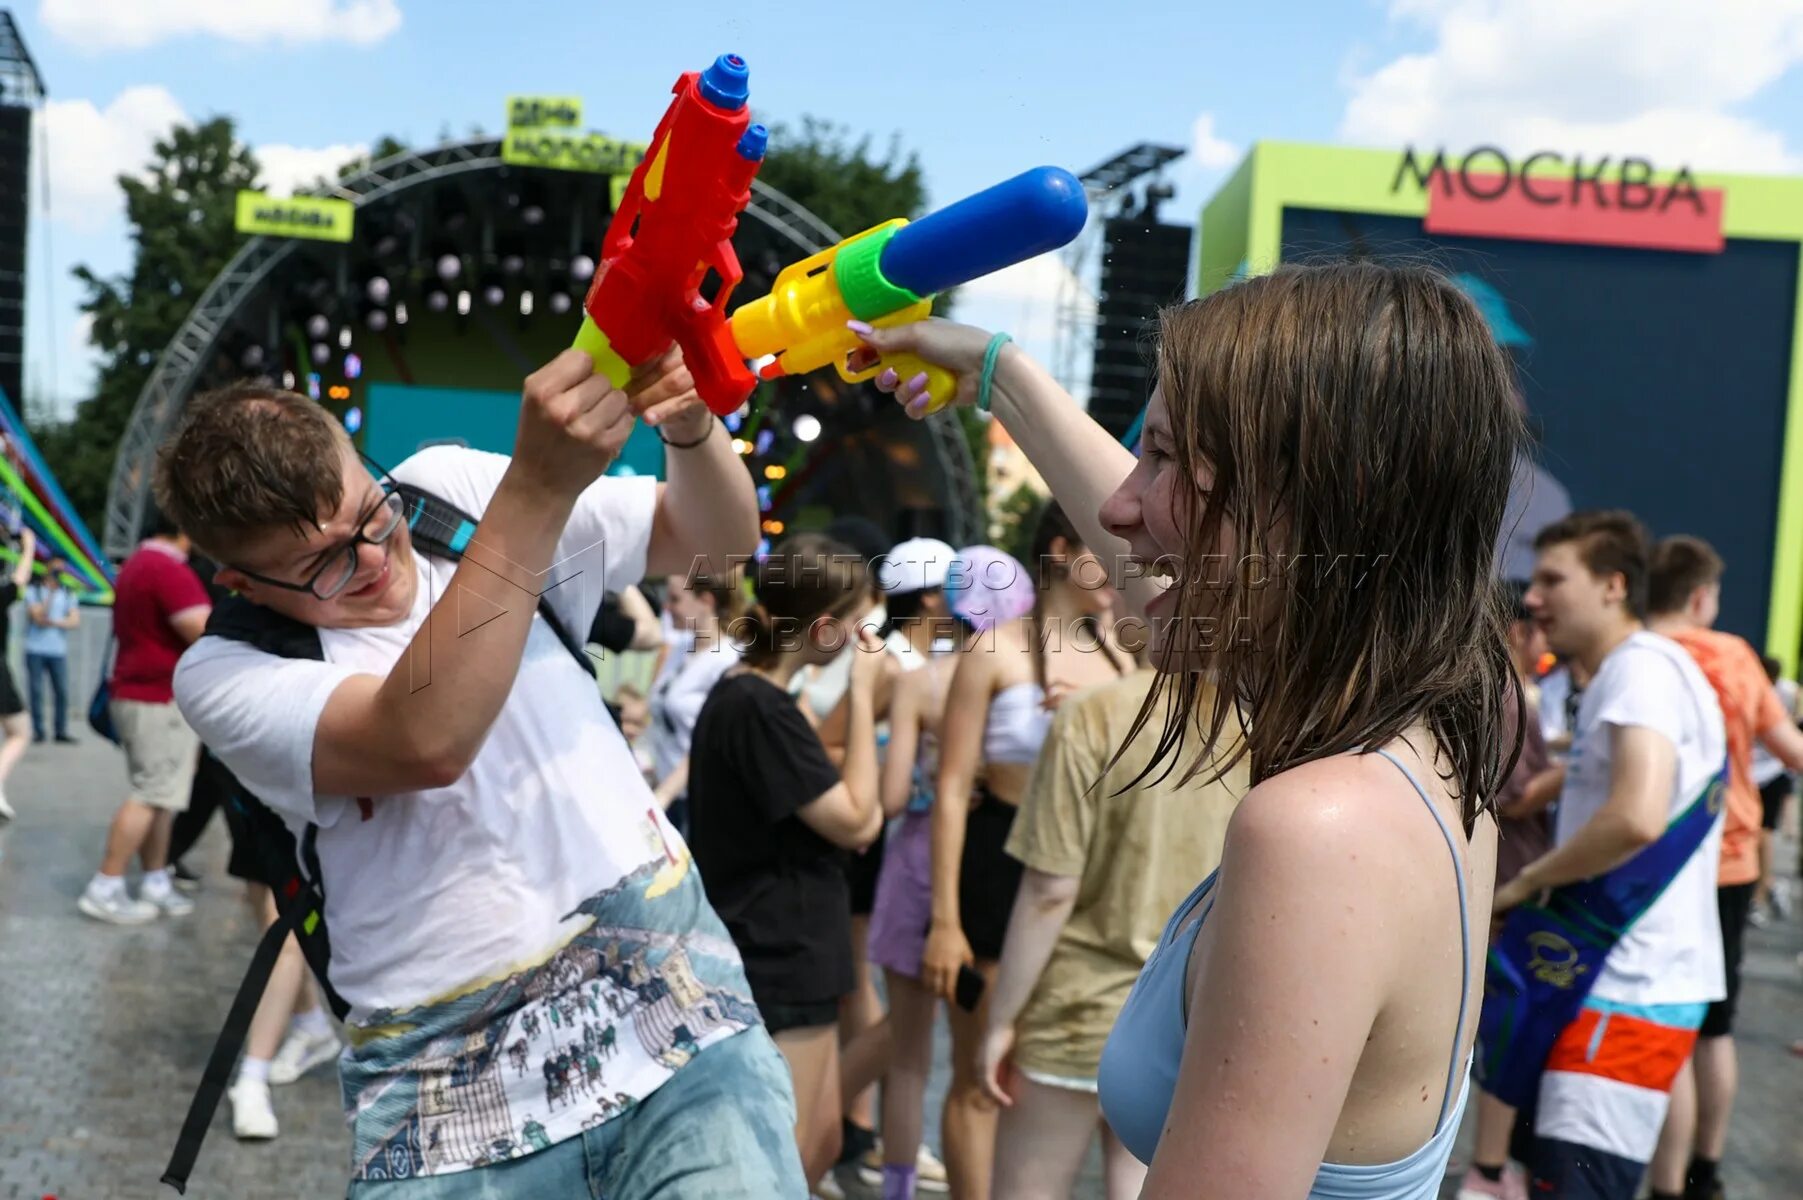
[376, 319]
[493, 294]
[806, 427]
[582, 268]
[321, 352]
[318, 326]
[463, 304]
[252, 358]
[560, 302]
[377, 289]
[437, 300]
[353, 419]
[313, 385]
[512, 264]
[400, 314]
[344, 338]
[288, 380]
[353, 368]
[525, 304]
[449, 267]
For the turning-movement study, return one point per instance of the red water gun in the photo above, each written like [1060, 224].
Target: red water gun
[674, 225]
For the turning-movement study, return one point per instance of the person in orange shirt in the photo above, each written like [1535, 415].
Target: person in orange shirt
[1685, 596]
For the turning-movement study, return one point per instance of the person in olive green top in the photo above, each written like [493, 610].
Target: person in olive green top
[1103, 873]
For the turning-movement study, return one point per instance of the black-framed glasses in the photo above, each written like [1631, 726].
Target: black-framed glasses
[339, 566]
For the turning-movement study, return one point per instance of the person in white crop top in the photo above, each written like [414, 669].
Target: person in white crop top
[1323, 474]
[1006, 682]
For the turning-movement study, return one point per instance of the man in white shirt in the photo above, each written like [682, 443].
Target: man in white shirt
[542, 1002]
[1648, 742]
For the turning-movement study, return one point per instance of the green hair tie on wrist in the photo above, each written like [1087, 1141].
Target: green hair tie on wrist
[986, 380]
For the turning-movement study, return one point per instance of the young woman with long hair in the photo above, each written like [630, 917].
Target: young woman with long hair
[1325, 464]
[773, 817]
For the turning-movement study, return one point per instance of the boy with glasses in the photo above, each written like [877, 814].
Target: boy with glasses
[541, 1002]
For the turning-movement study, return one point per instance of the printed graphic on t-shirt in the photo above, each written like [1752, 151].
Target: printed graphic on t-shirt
[522, 1063]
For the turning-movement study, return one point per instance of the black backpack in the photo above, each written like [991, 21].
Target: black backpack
[439, 529]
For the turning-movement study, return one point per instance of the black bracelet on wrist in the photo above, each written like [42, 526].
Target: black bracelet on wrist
[690, 445]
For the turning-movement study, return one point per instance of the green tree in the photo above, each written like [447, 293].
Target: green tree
[1012, 526]
[841, 179]
[181, 214]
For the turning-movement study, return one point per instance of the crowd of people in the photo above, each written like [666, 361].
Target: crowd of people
[1139, 817]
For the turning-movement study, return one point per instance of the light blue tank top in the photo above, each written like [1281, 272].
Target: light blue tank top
[1138, 1075]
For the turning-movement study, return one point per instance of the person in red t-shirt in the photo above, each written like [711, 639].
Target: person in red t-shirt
[1684, 598]
[159, 607]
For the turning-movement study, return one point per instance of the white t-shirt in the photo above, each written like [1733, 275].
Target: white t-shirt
[677, 694]
[1673, 954]
[527, 949]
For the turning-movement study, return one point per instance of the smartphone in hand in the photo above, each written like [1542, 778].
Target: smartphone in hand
[967, 993]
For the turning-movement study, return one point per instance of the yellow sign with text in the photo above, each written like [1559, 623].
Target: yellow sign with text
[567, 150]
[532, 112]
[324, 219]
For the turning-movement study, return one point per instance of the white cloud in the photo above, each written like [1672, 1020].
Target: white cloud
[286, 168]
[90, 147]
[134, 24]
[1207, 148]
[1655, 78]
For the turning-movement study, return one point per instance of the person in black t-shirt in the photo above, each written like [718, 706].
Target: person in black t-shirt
[772, 819]
[12, 709]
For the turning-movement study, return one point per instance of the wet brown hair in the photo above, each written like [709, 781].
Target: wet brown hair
[805, 577]
[248, 458]
[1361, 426]
[1681, 564]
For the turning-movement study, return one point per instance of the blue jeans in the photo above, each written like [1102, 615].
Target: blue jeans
[38, 667]
[722, 1128]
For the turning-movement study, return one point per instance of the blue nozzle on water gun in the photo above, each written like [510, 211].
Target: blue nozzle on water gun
[1036, 211]
[727, 83]
[753, 143]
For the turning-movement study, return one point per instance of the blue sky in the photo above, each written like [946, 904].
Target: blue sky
[980, 89]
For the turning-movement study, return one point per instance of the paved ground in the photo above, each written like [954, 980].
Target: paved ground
[103, 1031]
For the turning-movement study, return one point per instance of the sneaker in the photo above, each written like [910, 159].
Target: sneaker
[827, 1189]
[299, 1054]
[183, 878]
[1758, 918]
[63, 739]
[116, 909]
[1782, 905]
[6, 810]
[929, 1172]
[253, 1116]
[1512, 1186]
[170, 903]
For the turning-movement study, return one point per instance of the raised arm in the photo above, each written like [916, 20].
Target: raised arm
[849, 814]
[1078, 459]
[28, 548]
[379, 735]
[707, 510]
[647, 634]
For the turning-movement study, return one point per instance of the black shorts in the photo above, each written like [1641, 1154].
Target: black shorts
[1772, 796]
[10, 704]
[1573, 1172]
[1734, 903]
[779, 1018]
[987, 877]
[861, 873]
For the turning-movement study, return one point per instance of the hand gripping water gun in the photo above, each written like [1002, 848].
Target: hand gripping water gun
[674, 223]
[889, 274]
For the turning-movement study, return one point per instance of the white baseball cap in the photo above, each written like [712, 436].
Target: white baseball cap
[915, 565]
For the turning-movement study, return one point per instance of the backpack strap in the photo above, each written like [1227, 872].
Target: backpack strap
[440, 529]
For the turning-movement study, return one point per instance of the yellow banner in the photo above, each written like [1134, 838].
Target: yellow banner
[563, 150]
[325, 219]
[530, 112]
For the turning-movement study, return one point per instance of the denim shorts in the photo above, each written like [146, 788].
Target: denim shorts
[722, 1128]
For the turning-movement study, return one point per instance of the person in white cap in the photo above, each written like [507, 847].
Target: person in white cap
[923, 633]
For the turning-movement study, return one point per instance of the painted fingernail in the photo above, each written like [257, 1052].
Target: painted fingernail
[860, 328]
[888, 379]
[918, 382]
[918, 407]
